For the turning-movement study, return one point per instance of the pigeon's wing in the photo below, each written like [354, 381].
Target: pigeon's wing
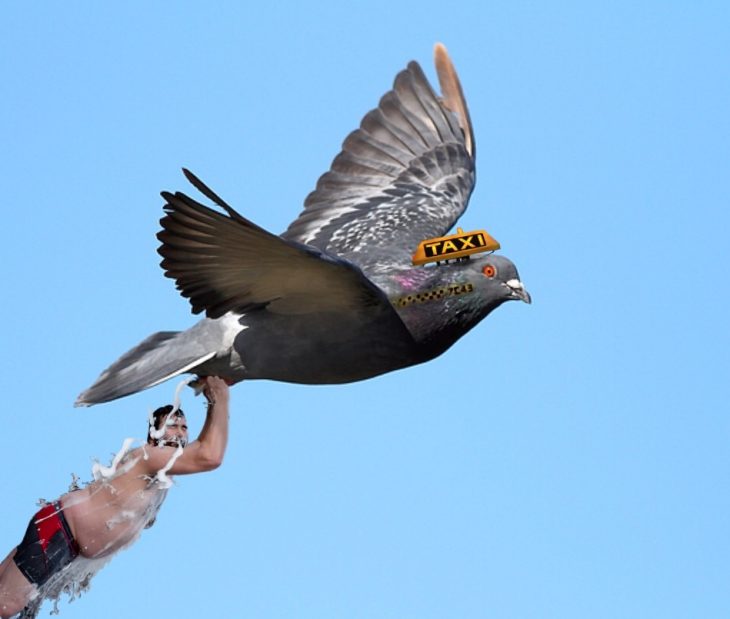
[404, 176]
[224, 262]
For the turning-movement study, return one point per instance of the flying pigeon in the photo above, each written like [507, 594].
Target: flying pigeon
[336, 298]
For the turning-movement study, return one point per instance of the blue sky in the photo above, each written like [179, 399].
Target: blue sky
[565, 459]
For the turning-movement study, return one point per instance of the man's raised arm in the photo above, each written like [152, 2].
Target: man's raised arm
[206, 452]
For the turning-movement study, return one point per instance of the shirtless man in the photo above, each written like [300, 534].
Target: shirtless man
[108, 514]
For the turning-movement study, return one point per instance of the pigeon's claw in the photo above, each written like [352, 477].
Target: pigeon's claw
[197, 385]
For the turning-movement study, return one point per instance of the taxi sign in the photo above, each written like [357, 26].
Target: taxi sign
[454, 246]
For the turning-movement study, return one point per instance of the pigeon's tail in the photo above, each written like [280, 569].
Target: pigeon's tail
[161, 356]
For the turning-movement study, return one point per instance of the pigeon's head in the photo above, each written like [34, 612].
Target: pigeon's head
[441, 303]
[495, 279]
[482, 284]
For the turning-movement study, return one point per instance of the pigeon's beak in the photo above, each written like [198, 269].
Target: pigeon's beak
[517, 290]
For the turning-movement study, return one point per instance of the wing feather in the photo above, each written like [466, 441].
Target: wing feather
[406, 174]
[223, 262]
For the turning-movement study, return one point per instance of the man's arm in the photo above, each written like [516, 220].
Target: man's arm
[206, 452]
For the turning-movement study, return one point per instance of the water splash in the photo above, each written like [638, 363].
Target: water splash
[161, 477]
[72, 580]
[100, 472]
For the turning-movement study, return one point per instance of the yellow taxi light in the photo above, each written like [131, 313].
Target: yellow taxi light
[454, 246]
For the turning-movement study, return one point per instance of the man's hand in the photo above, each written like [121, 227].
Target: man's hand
[214, 389]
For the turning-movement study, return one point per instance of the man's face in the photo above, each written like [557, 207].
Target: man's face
[176, 431]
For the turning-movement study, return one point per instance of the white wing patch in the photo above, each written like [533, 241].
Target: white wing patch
[186, 368]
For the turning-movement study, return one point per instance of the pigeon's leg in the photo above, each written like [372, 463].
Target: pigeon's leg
[197, 384]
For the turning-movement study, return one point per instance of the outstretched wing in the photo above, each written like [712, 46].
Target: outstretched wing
[404, 176]
[225, 262]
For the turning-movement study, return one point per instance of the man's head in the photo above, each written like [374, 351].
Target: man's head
[174, 425]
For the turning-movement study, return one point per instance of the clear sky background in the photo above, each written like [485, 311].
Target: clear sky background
[567, 459]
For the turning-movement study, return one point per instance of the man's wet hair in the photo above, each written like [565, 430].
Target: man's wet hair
[159, 415]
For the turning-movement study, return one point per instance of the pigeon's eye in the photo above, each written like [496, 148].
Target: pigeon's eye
[489, 270]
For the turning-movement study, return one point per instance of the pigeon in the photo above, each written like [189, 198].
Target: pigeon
[336, 298]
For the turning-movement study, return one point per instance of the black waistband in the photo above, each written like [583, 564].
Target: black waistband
[70, 539]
